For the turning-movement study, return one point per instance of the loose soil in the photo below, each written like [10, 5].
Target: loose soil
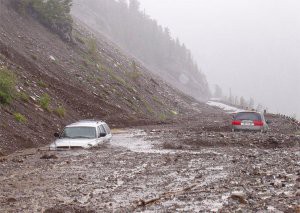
[184, 167]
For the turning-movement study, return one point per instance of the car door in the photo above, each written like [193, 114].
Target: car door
[101, 131]
[108, 132]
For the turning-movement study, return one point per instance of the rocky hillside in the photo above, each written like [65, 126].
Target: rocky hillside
[138, 34]
[52, 82]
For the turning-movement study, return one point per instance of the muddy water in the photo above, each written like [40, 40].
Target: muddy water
[131, 174]
[113, 177]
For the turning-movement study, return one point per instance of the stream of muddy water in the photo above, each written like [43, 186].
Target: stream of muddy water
[131, 173]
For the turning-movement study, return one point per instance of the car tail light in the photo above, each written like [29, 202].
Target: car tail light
[236, 123]
[258, 123]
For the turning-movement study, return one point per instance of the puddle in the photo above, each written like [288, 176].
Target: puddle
[134, 140]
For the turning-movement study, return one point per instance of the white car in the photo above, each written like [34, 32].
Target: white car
[83, 134]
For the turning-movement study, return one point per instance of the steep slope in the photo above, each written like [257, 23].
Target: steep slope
[60, 82]
[142, 37]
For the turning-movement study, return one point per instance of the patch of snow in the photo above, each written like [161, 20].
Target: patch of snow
[225, 107]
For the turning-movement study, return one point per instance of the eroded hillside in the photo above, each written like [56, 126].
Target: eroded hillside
[59, 82]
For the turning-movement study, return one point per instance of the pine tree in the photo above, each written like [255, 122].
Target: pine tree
[242, 102]
[218, 92]
[134, 5]
[251, 103]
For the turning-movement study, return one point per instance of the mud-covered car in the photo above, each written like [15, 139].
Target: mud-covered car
[83, 134]
[249, 120]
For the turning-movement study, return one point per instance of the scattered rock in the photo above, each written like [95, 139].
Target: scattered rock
[273, 140]
[52, 58]
[297, 209]
[49, 156]
[239, 196]
[17, 160]
[11, 200]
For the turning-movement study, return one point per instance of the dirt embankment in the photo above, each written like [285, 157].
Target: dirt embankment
[89, 78]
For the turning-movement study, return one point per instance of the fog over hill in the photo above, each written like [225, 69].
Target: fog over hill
[251, 47]
[127, 25]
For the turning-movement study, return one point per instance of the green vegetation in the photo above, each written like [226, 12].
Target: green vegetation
[92, 46]
[157, 100]
[60, 111]
[79, 38]
[23, 96]
[7, 86]
[118, 79]
[100, 67]
[44, 102]
[135, 73]
[99, 79]
[173, 112]
[54, 14]
[148, 107]
[20, 118]
[162, 117]
[42, 84]
[34, 57]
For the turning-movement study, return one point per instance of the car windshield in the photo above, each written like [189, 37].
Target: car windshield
[247, 116]
[79, 132]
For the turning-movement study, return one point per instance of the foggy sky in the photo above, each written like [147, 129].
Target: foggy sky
[250, 46]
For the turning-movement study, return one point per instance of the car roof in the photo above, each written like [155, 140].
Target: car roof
[86, 123]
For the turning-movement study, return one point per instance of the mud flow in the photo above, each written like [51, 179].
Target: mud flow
[135, 173]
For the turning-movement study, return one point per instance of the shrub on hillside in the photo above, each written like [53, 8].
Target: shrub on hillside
[92, 46]
[44, 102]
[60, 111]
[20, 118]
[24, 96]
[7, 85]
[54, 14]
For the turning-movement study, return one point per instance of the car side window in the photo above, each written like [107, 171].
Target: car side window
[100, 130]
[107, 128]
